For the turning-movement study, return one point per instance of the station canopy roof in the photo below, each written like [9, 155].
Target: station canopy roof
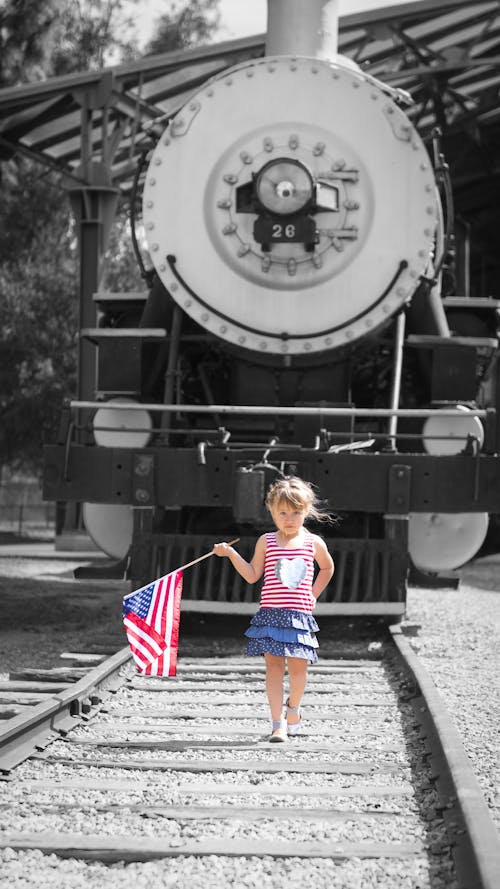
[93, 127]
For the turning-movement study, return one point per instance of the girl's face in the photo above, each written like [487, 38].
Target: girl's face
[288, 519]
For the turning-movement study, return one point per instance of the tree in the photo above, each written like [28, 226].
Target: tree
[38, 315]
[93, 34]
[38, 245]
[28, 31]
[185, 25]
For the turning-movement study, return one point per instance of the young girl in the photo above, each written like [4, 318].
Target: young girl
[283, 628]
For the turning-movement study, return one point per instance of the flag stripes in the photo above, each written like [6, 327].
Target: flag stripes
[151, 617]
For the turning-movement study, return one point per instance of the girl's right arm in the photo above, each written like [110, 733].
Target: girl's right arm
[250, 571]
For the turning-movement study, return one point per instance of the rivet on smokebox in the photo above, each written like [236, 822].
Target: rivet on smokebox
[246, 157]
[150, 226]
[243, 249]
[224, 205]
[158, 161]
[293, 142]
[268, 144]
[229, 229]
[291, 266]
[266, 264]
[319, 149]
[155, 247]
[230, 178]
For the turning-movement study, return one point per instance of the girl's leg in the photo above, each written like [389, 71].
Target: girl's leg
[275, 673]
[297, 671]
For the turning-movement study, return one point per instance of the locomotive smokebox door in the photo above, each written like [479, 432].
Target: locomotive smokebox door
[278, 200]
[248, 505]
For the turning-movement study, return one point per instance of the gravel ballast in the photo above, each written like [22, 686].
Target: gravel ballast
[458, 639]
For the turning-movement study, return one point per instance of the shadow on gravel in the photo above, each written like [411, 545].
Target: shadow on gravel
[42, 618]
[338, 637]
[483, 573]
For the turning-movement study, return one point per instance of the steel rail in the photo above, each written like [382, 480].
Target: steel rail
[473, 834]
[267, 410]
[23, 734]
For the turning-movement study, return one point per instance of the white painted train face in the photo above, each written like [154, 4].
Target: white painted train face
[291, 206]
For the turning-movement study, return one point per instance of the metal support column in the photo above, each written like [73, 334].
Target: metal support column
[94, 208]
[94, 205]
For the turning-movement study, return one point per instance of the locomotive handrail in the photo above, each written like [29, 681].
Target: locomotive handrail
[267, 410]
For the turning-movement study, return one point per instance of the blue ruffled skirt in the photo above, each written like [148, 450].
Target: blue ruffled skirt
[283, 632]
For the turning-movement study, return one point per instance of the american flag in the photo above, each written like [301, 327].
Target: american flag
[151, 617]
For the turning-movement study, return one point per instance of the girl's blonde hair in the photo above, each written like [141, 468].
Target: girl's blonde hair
[298, 494]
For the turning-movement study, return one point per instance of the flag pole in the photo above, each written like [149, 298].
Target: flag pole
[188, 565]
[206, 556]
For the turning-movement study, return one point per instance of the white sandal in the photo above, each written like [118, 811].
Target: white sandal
[297, 726]
[279, 725]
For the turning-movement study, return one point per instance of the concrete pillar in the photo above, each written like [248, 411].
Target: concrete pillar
[302, 28]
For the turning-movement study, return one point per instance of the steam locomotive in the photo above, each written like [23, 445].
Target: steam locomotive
[299, 229]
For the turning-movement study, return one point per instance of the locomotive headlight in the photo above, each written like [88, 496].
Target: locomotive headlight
[284, 187]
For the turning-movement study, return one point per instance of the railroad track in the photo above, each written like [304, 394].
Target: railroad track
[126, 768]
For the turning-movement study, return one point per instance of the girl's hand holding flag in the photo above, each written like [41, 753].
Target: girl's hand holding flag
[151, 616]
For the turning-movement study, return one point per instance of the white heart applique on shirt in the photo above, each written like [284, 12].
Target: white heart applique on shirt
[291, 572]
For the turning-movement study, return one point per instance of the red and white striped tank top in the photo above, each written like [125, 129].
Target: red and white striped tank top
[288, 575]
